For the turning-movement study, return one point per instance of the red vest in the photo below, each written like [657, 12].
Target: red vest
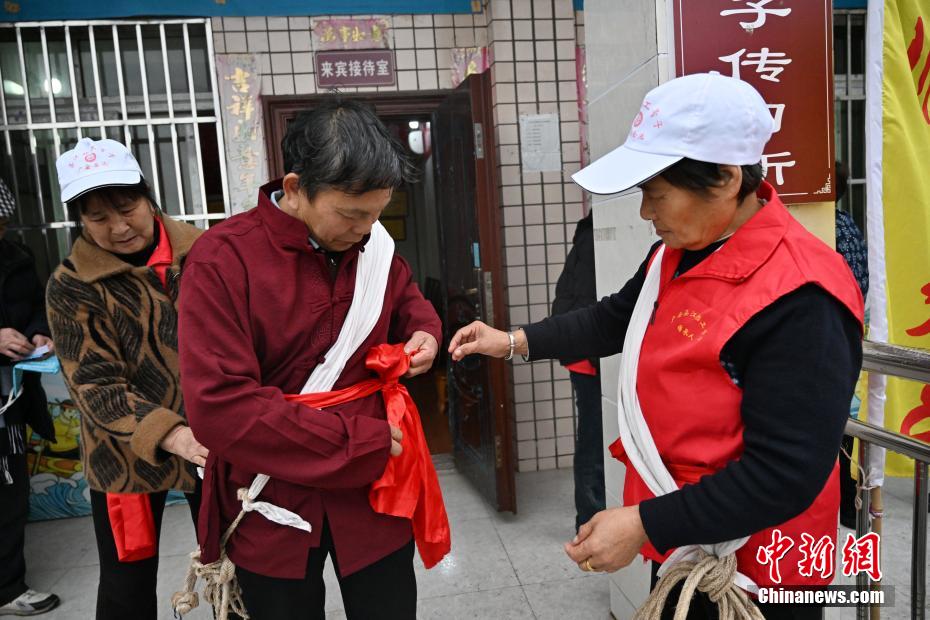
[689, 401]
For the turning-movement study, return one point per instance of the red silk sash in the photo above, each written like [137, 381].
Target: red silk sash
[409, 486]
[133, 526]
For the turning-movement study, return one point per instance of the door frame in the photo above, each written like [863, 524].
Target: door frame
[490, 233]
[279, 109]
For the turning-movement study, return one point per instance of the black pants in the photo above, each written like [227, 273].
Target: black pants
[703, 609]
[14, 509]
[384, 590]
[127, 589]
[589, 449]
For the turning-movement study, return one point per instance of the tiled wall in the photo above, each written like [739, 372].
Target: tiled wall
[533, 47]
[532, 44]
[422, 45]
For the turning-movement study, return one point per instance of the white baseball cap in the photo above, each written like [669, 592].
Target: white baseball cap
[704, 116]
[93, 164]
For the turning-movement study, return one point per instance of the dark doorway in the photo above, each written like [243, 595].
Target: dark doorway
[448, 228]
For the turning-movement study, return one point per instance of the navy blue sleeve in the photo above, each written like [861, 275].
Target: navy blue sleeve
[595, 331]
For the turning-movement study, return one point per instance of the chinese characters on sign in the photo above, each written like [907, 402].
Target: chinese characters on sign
[349, 34]
[354, 68]
[240, 84]
[818, 557]
[783, 48]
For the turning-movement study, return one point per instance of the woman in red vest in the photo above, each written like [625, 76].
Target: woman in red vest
[741, 339]
[112, 312]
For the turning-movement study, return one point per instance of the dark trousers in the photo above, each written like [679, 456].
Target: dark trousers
[589, 449]
[384, 590]
[127, 589]
[14, 509]
[703, 609]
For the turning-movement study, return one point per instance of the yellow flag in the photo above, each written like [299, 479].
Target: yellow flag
[904, 204]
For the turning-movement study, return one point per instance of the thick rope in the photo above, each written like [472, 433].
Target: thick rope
[711, 575]
[221, 588]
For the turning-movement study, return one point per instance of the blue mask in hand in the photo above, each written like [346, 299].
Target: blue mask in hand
[48, 365]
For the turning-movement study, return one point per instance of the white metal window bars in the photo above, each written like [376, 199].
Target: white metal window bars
[112, 98]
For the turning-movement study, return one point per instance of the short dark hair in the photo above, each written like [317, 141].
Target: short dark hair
[699, 176]
[112, 196]
[342, 145]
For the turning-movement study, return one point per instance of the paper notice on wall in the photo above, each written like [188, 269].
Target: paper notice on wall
[540, 145]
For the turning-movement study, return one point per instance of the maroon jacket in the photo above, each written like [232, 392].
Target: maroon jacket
[258, 311]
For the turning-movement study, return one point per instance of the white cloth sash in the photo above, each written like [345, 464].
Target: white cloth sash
[637, 439]
[371, 277]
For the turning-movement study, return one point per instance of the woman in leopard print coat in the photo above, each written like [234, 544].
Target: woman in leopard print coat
[112, 311]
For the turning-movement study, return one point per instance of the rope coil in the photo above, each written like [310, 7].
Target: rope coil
[710, 575]
[221, 588]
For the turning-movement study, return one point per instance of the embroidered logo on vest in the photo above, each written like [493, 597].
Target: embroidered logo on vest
[690, 324]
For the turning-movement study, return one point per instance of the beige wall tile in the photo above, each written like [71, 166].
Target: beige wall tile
[283, 84]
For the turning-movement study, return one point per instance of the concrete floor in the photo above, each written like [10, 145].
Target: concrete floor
[501, 565]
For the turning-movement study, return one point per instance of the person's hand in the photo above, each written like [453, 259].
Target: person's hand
[425, 348]
[397, 436]
[481, 338]
[609, 541]
[180, 440]
[40, 341]
[14, 345]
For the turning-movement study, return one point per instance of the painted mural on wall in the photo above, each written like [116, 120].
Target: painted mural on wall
[56, 476]
[58, 487]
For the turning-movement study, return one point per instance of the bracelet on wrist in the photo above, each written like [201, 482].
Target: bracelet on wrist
[513, 346]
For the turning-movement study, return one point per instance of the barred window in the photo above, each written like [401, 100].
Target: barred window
[150, 84]
[849, 79]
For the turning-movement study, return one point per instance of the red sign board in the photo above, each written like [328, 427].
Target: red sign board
[784, 48]
[338, 69]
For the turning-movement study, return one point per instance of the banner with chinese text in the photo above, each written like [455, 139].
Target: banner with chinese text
[349, 34]
[239, 80]
[784, 49]
[899, 203]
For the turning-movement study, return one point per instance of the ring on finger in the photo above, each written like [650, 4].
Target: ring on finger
[586, 566]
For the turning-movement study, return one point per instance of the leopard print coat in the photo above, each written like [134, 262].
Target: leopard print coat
[115, 329]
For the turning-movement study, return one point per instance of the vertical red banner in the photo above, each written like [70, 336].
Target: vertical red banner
[784, 48]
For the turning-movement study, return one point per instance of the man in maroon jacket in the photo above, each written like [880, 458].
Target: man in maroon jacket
[265, 297]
